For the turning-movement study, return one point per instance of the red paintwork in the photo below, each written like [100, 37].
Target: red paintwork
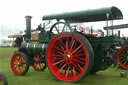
[1, 79]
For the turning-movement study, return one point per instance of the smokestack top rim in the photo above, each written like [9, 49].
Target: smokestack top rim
[28, 16]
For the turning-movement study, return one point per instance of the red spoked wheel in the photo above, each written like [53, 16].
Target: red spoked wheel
[3, 80]
[38, 64]
[122, 57]
[19, 63]
[69, 57]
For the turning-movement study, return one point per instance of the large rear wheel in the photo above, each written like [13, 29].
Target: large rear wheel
[69, 57]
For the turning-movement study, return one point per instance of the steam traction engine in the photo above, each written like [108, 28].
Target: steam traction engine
[122, 55]
[69, 54]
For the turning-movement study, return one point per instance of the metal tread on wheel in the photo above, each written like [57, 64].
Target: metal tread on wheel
[122, 57]
[69, 57]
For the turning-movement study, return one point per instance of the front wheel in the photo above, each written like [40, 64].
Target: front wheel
[69, 57]
[19, 63]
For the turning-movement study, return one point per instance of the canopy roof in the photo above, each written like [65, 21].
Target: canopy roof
[116, 27]
[101, 14]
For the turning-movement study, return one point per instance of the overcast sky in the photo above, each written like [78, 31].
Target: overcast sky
[12, 12]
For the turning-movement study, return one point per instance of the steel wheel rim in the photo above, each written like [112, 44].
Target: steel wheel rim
[38, 66]
[122, 57]
[18, 64]
[67, 70]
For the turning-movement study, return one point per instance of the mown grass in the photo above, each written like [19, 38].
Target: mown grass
[107, 77]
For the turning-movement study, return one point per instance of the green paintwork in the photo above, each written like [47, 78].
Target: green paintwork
[100, 44]
[88, 15]
[36, 48]
[116, 27]
[33, 48]
[44, 37]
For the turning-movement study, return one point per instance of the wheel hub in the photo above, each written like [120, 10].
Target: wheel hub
[68, 57]
[20, 63]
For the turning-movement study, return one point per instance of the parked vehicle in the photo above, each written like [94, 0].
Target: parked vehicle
[68, 52]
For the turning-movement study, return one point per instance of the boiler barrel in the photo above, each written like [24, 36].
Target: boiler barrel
[33, 48]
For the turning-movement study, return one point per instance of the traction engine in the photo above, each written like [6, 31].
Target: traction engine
[67, 50]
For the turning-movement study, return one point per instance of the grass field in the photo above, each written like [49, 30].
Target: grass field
[107, 77]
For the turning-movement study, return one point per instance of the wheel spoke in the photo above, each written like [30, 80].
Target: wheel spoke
[63, 28]
[58, 62]
[59, 58]
[19, 69]
[80, 58]
[66, 45]
[78, 61]
[73, 73]
[55, 55]
[16, 59]
[58, 48]
[62, 47]
[79, 66]
[57, 29]
[62, 68]
[22, 63]
[59, 52]
[76, 67]
[67, 71]
[68, 40]
[77, 49]
[16, 66]
[23, 66]
[61, 64]
[40, 65]
[72, 44]
[75, 44]
[125, 63]
[77, 55]
[62, 44]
